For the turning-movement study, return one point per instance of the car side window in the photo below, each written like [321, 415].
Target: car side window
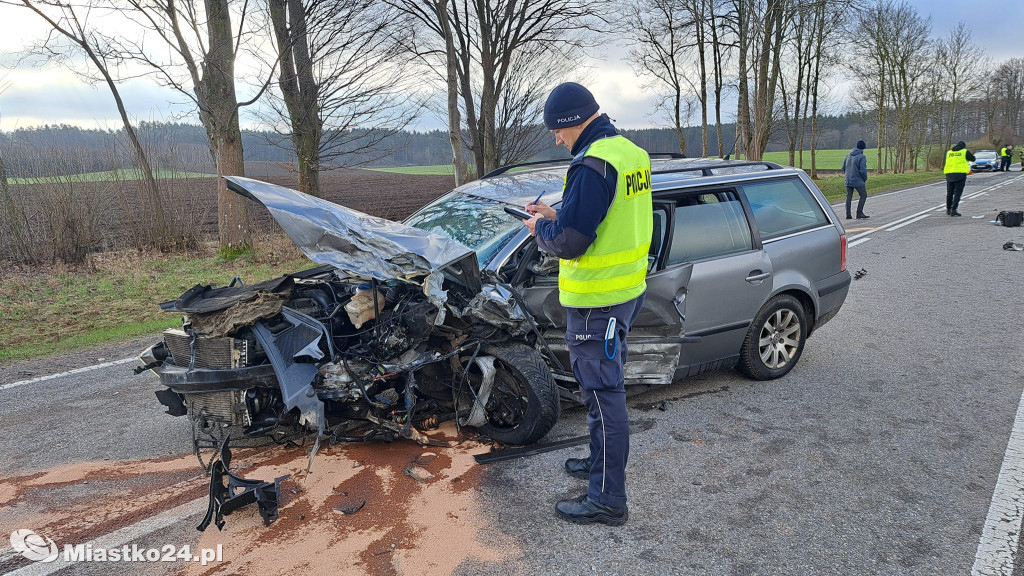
[657, 237]
[783, 207]
[708, 225]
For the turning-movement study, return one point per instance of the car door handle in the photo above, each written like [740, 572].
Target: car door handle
[757, 276]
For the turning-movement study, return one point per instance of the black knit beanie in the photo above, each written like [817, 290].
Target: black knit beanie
[569, 104]
[861, 145]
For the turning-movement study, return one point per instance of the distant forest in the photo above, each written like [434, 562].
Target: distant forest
[184, 146]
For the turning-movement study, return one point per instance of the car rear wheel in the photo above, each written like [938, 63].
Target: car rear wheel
[775, 339]
[523, 403]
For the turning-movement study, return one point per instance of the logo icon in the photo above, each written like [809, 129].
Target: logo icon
[33, 546]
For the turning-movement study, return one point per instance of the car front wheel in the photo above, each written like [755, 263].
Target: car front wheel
[523, 403]
[775, 339]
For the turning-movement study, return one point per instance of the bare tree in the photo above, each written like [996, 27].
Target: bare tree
[659, 49]
[73, 27]
[698, 20]
[910, 37]
[1008, 90]
[964, 74]
[870, 66]
[342, 80]
[200, 46]
[829, 21]
[759, 27]
[799, 54]
[489, 40]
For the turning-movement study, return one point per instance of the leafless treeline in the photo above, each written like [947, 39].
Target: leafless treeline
[342, 75]
[785, 61]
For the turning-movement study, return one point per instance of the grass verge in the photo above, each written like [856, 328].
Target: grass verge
[111, 175]
[834, 188]
[116, 297]
[435, 170]
[829, 159]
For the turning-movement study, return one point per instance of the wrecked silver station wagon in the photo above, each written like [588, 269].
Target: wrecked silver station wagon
[454, 314]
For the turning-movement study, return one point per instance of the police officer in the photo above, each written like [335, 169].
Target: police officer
[958, 164]
[1004, 158]
[602, 234]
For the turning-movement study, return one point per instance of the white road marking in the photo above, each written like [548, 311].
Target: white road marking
[68, 373]
[119, 538]
[898, 226]
[914, 215]
[861, 241]
[998, 544]
[843, 203]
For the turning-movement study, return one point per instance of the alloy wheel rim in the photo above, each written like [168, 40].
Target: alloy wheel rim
[779, 339]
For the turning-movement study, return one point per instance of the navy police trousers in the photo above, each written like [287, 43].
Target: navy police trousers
[597, 364]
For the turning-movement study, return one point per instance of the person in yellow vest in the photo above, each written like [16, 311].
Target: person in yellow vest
[958, 165]
[601, 234]
[1004, 158]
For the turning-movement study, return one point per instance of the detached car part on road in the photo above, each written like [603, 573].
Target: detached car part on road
[454, 313]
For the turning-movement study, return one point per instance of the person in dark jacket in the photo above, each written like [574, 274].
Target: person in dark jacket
[958, 165]
[855, 174]
[1005, 155]
[601, 234]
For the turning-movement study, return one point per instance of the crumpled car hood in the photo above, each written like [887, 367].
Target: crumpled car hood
[357, 243]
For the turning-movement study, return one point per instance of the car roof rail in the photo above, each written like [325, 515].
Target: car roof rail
[706, 169]
[502, 169]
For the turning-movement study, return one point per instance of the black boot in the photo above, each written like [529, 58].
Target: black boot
[862, 216]
[948, 211]
[955, 213]
[848, 217]
[583, 510]
[578, 467]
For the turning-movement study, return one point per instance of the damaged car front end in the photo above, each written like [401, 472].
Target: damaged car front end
[392, 334]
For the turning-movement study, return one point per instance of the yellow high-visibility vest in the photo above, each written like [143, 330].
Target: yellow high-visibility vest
[956, 162]
[613, 270]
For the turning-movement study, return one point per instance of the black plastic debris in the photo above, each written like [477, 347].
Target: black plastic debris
[860, 274]
[1013, 246]
[237, 493]
[510, 453]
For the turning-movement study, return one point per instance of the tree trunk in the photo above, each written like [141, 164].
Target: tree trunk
[232, 209]
[216, 94]
[743, 98]
[454, 117]
[299, 90]
[769, 68]
[678, 123]
[719, 79]
[700, 36]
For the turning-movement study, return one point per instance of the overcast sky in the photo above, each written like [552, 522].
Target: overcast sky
[51, 95]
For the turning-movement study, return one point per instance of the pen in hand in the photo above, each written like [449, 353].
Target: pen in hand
[534, 204]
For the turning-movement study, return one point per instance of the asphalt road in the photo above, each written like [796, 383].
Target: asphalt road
[880, 453]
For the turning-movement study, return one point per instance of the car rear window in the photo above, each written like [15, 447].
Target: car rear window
[706, 226]
[783, 207]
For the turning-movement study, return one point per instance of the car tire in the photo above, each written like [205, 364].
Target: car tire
[521, 367]
[770, 350]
